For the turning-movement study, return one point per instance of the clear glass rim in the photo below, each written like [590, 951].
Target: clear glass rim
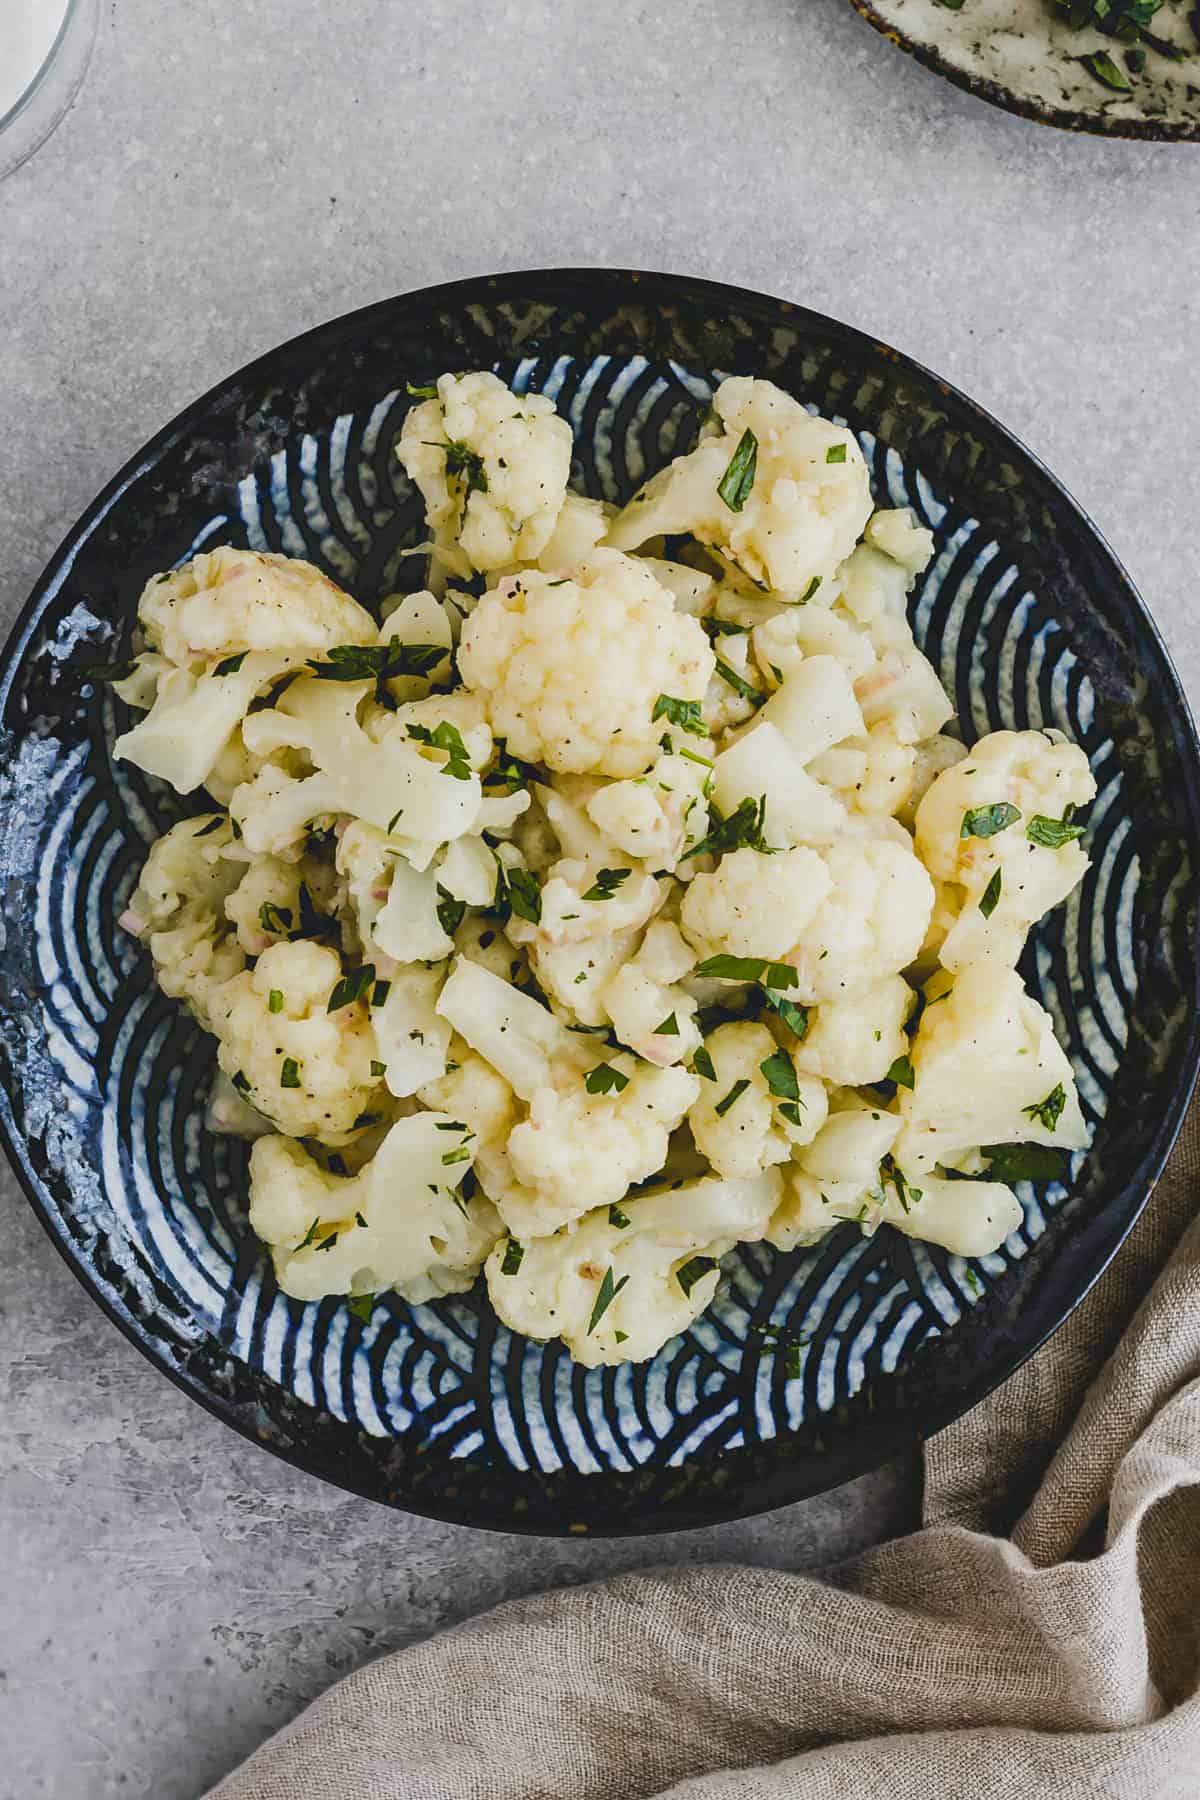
[74, 7]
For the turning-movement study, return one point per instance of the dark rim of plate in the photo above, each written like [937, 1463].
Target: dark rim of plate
[1063, 118]
[913, 1404]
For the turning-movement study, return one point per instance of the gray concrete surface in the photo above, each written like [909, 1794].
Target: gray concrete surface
[230, 176]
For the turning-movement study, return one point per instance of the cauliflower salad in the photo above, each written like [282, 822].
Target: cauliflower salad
[615, 899]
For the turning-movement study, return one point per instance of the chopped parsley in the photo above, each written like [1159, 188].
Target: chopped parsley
[810, 590]
[692, 1271]
[445, 737]
[1052, 834]
[901, 1072]
[990, 897]
[735, 485]
[240, 1083]
[462, 460]
[420, 393]
[274, 918]
[604, 1079]
[231, 664]
[329, 1242]
[741, 830]
[780, 1075]
[450, 912]
[1100, 64]
[378, 662]
[289, 1073]
[684, 713]
[737, 682]
[521, 891]
[310, 1236]
[702, 1063]
[213, 825]
[905, 1193]
[461, 1154]
[668, 1028]
[378, 1069]
[618, 1218]
[606, 883]
[361, 1306]
[514, 1256]
[1049, 1111]
[380, 993]
[836, 453]
[731, 1098]
[749, 968]
[794, 1017]
[986, 821]
[275, 1001]
[351, 987]
[1026, 1162]
[609, 1289]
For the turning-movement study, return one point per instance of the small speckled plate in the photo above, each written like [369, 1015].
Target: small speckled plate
[809, 1367]
[1023, 56]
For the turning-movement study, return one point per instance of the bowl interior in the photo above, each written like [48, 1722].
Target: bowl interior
[1023, 55]
[812, 1366]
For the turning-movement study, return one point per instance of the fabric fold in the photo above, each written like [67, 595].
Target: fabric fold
[1061, 1661]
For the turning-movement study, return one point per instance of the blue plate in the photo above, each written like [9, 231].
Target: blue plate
[437, 1408]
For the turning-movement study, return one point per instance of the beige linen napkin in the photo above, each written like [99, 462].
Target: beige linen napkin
[1061, 1661]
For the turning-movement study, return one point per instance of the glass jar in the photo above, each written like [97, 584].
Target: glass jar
[34, 112]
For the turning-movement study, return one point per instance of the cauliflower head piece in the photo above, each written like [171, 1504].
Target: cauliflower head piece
[402, 1222]
[624, 1282]
[492, 467]
[303, 1067]
[996, 828]
[178, 910]
[755, 905]
[571, 670]
[587, 1142]
[783, 494]
[987, 1069]
[756, 1108]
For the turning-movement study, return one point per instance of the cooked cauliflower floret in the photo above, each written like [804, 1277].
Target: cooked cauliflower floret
[798, 508]
[303, 1067]
[420, 794]
[997, 826]
[178, 910]
[871, 923]
[895, 531]
[853, 1042]
[873, 774]
[411, 1037]
[581, 525]
[662, 814]
[762, 765]
[492, 467]
[580, 1149]
[521, 1040]
[648, 1010]
[400, 1223]
[396, 906]
[755, 905]
[758, 1108]
[226, 601]
[571, 669]
[275, 898]
[660, 1268]
[988, 1070]
[968, 1218]
[815, 707]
